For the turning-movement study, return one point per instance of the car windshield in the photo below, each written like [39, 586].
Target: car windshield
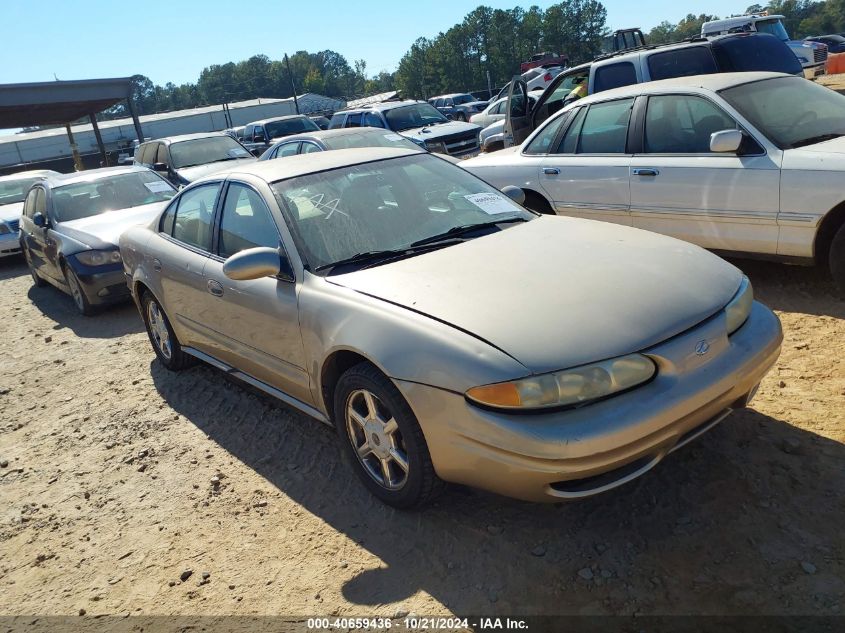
[122, 191]
[411, 116]
[790, 111]
[387, 205]
[287, 127]
[201, 151]
[775, 27]
[461, 99]
[12, 191]
[362, 139]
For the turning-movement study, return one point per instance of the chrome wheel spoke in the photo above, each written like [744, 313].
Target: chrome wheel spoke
[385, 472]
[390, 427]
[364, 450]
[399, 457]
[356, 417]
[372, 410]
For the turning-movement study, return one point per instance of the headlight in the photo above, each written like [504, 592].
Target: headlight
[438, 147]
[98, 258]
[568, 387]
[737, 311]
[4, 228]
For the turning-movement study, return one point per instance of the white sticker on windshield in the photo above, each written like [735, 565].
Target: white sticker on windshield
[393, 137]
[490, 203]
[158, 186]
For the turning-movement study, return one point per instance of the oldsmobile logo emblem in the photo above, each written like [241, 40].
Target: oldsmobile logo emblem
[702, 347]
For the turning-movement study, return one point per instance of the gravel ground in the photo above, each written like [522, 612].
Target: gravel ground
[128, 489]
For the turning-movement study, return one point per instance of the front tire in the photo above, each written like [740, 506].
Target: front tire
[383, 438]
[837, 258]
[460, 116]
[83, 306]
[165, 344]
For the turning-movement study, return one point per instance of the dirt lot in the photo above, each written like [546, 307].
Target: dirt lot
[107, 496]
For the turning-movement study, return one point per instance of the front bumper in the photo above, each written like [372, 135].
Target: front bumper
[10, 244]
[102, 285]
[580, 452]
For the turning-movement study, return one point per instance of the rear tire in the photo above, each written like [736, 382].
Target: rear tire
[381, 435]
[165, 344]
[837, 258]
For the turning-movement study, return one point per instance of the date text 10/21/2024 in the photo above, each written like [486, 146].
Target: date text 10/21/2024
[417, 623]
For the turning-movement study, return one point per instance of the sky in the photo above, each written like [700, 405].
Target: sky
[173, 40]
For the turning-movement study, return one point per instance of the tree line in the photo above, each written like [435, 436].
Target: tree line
[487, 42]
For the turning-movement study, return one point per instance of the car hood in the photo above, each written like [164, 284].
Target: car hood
[11, 211]
[103, 231]
[825, 156]
[559, 292]
[833, 146]
[198, 171]
[439, 131]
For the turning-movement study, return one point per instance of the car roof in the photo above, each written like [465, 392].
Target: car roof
[184, 137]
[382, 107]
[92, 175]
[32, 173]
[304, 164]
[287, 117]
[713, 83]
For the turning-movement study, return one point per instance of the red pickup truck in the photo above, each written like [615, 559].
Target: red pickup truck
[543, 59]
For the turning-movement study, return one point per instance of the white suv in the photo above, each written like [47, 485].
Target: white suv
[745, 163]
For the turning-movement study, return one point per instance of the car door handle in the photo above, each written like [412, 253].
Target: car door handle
[214, 288]
[551, 171]
[645, 171]
[157, 265]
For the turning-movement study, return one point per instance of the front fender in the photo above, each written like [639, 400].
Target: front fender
[404, 344]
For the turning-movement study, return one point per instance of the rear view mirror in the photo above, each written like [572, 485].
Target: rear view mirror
[255, 263]
[514, 193]
[726, 141]
[39, 220]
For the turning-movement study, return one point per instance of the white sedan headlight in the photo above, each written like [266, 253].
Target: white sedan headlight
[568, 387]
[737, 311]
[98, 258]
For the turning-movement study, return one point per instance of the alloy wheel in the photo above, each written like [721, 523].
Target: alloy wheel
[75, 291]
[159, 330]
[377, 440]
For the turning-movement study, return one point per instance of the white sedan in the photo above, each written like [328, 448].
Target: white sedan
[743, 163]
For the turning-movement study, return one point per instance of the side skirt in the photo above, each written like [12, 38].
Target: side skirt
[250, 380]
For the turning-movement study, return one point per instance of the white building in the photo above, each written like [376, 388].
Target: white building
[34, 149]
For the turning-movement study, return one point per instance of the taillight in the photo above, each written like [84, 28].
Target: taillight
[547, 77]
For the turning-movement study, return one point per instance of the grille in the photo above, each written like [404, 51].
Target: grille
[13, 225]
[820, 54]
[461, 143]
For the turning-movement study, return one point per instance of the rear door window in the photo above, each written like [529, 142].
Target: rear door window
[605, 128]
[614, 76]
[683, 62]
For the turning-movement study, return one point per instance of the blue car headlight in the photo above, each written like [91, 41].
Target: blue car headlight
[98, 258]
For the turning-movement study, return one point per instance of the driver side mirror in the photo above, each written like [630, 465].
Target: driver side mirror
[255, 263]
[160, 167]
[726, 141]
[259, 137]
[514, 193]
[40, 220]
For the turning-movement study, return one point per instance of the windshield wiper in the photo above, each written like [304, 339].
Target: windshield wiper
[373, 258]
[816, 139]
[465, 228]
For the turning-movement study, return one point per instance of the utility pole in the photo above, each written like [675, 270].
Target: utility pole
[292, 87]
[489, 86]
[77, 159]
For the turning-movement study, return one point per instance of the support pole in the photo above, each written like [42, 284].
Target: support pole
[292, 87]
[135, 120]
[99, 138]
[77, 160]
